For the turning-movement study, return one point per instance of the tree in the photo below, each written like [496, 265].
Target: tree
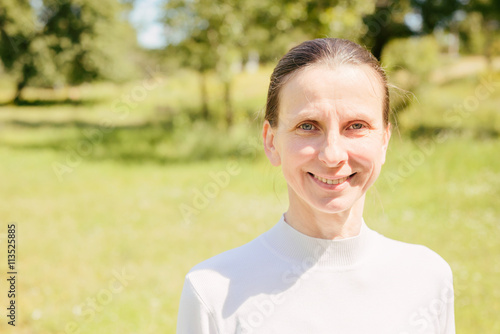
[215, 35]
[192, 53]
[490, 21]
[390, 20]
[64, 42]
[387, 22]
[16, 33]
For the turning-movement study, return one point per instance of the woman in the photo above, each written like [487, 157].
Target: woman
[320, 269]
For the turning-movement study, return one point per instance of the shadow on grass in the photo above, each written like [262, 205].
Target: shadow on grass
[83, 125]
[149, 142]
[426, 132]
[49, 103]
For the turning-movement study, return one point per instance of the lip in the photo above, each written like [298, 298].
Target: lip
[327, 186]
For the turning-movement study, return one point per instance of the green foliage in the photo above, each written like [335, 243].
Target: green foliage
[16, 27]
[219, 35]
[418, 56]
[472, 34]
[225, 32]
[387, 22]
[436, 14]
[408, 63]
[62, 42]
[479, 29]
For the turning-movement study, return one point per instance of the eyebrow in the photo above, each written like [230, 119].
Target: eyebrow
[310, 113]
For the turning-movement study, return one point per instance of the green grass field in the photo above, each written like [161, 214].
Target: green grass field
[104, 243]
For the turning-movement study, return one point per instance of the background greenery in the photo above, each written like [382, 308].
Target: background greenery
[101, 159]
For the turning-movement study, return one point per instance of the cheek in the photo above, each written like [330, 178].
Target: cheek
[367, 153]
[296, 157]
[297, 151]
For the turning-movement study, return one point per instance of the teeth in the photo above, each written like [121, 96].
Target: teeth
[328, 181]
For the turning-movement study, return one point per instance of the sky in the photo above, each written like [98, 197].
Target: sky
[144, 17]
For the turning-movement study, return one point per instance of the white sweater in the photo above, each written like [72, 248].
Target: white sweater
[288, 283]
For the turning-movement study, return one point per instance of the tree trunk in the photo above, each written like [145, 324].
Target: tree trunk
[204, 96]
[19, 89]
[488, 43]
[377, 33]
[27, 73]
[380, 43]
[227, 103]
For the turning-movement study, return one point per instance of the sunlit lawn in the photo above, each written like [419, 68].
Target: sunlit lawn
[114, 214]
[105, 216]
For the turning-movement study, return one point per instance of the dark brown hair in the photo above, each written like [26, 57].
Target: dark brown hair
[331, 51]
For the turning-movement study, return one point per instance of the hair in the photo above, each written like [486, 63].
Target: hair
[330, 51]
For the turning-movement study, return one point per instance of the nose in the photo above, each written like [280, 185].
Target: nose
[333, 152]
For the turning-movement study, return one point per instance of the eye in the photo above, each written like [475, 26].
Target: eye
[306, 126]
[356, 126]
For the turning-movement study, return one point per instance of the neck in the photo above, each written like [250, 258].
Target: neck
[324, 225]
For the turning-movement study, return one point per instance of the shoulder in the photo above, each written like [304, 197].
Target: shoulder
[229, 265]
[231, 260]
[414, 257]
[214, 279]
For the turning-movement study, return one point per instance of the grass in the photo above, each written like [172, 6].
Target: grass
[117, 210]
[106, 216]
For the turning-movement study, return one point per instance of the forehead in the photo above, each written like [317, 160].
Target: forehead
[345, 89]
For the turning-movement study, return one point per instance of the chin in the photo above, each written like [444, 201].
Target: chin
[335, 206]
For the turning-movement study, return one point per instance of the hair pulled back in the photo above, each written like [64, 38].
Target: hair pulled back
[330, 51]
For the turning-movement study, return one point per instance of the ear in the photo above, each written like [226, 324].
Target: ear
[268, 139]
[385, 140]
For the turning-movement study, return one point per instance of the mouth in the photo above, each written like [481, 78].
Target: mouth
[332, 181]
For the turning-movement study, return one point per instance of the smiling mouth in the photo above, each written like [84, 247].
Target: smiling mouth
[331, 181]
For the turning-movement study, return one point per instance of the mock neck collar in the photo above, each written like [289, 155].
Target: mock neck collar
[295, 246]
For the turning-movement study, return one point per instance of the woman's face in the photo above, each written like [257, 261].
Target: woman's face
[330, 139]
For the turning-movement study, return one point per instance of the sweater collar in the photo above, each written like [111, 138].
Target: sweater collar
[319, 253]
